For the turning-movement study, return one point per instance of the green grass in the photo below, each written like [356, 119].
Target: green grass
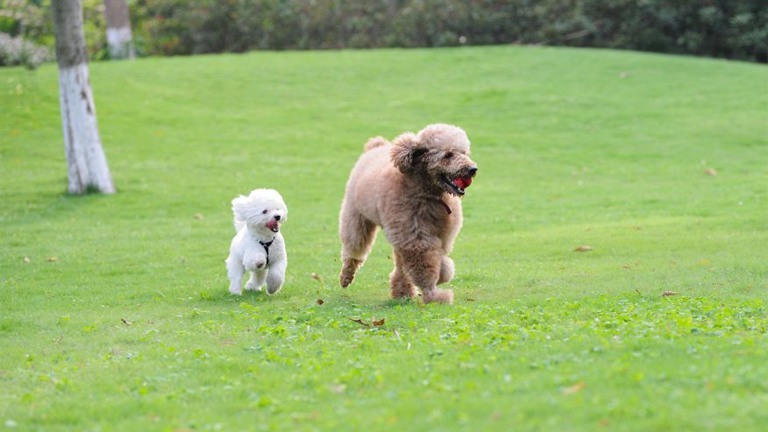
[114, 310]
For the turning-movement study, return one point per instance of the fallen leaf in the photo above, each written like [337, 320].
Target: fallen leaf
[27, 260]
[320, 302]
[52, 259]
[470, 299]
[579, 386]
[668, 294]
[359, 321]
[378, 323]
[316, 277]
[583, 248]
[198, 216]
[710, 172]
[125, 321]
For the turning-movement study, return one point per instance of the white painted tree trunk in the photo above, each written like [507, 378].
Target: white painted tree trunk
[119, 35]
[86, 162]
[120, 43]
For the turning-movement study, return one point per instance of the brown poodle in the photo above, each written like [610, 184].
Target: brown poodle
[411, 189]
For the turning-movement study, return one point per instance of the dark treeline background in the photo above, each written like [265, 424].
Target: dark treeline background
[733, 29]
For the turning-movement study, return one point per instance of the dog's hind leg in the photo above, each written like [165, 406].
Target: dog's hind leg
[400, 285]
[235, 273]
[357, 236]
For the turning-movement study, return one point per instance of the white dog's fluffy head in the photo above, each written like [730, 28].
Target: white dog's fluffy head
[263, 210]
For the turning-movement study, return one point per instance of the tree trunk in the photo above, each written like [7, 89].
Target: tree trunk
[86, 162]
[119, 36]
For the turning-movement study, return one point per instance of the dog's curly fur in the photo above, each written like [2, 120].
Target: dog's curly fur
[411, 188]
[258, 247]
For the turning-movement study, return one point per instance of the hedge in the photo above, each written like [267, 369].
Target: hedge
[733, 29]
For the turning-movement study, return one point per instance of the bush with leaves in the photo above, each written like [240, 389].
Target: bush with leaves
[17, 51]
[733, 29]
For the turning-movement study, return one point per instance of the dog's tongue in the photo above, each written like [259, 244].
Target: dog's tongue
[273, 225]
[462, 182]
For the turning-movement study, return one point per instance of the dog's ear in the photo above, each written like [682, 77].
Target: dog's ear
[406, 151]
[240, 207]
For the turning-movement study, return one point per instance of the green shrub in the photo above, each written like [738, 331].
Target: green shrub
[733, 29]
[17, 51]
[730, 29]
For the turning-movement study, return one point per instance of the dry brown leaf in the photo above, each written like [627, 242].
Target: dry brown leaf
[359, 321]
[27, 260]
[583, 248]
[710, 172]
[52, 259]
[199, 216]
[579, 386]
[125, 321]
[320, 302]
[378, 323]
[316, 277]
[668, 294]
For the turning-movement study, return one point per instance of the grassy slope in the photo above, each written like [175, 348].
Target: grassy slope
[575, 147]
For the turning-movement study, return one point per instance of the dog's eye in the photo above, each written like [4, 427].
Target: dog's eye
[448, 155]
[264, 212]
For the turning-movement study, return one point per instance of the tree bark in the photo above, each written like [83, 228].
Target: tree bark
[119, 35]
[86, 162]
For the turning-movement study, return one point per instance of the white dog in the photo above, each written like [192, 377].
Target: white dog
[258, 246]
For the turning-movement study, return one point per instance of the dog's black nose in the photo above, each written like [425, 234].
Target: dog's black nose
[472, 171]
[277, 217]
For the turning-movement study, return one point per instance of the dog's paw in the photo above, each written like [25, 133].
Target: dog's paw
[348, 270]
[252, 286]
[255, 265]
[235, 291]
[345, 280]
[438, 295]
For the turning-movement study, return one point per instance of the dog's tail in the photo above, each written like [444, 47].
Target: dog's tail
[238, 209]
[375, 142]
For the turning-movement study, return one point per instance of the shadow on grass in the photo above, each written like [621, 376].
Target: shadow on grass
[224, 296]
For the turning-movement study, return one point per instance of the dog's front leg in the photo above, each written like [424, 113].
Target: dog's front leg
[276, 276]
[256, 281]
[447, 270]
[423, 267]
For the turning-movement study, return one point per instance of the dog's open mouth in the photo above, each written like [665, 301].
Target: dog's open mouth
[273, 225]
[458, 184]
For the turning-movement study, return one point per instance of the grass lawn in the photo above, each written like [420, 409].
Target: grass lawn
[114, 310]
